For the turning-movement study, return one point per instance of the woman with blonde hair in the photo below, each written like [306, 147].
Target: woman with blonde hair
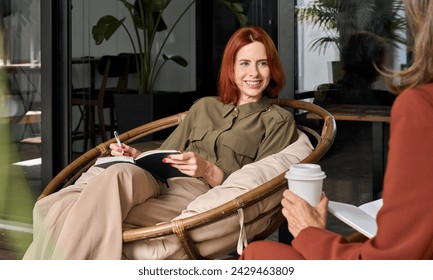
[405, 228]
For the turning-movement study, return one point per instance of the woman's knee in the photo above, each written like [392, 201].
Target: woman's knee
[132, 181]
[123, 168]
[126, 172]
[252, 251]
[270, 250]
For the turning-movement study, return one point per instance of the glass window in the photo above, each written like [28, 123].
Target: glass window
[350, 35]
[20, 114]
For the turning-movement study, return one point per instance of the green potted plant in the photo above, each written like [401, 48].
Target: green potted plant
[347, 23]
[147, 18]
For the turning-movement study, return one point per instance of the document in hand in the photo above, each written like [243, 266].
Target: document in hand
[150, 161]
[361, 218]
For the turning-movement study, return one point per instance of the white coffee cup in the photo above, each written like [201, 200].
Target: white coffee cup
[306, 181]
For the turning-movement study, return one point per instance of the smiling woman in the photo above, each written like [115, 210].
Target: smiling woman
[245, 58]
[252, 73]
[218, 136]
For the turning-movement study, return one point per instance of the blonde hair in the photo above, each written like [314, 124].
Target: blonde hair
[419, 16]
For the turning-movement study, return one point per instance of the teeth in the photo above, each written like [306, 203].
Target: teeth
[252, 83]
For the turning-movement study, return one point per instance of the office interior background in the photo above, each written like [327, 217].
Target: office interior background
[47, 51]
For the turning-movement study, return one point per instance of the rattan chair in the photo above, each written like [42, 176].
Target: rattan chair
[182, 227]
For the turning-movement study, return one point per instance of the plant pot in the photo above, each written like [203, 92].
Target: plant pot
[133, 110]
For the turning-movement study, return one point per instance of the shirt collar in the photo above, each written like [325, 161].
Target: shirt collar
[248, 108]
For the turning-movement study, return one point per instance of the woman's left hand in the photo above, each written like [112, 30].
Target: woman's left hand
[191, 164]
[300, 214]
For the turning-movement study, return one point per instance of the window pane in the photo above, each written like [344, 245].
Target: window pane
[20, 119]
[349, 35]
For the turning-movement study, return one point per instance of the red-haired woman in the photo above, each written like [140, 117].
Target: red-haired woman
[218, 136]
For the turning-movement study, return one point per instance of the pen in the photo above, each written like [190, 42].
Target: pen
[118, 140]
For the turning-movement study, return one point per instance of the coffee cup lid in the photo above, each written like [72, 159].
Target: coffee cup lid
[305, 171]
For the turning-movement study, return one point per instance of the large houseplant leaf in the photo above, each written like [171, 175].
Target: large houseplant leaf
[177, 59]
[142, 9]
[105, 28]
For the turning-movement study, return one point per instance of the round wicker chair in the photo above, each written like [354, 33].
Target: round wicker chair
[182, 227]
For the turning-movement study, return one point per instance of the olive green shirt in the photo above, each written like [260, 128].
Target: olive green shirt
[231, 136]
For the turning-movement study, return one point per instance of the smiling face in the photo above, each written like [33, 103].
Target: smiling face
[252, 73]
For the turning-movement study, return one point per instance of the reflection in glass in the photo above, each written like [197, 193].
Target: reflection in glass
[351, 32]
[20, 119]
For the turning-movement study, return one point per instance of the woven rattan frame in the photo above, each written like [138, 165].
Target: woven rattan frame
[182, 227]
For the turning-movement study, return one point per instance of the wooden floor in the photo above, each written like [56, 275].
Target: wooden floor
[347, 166]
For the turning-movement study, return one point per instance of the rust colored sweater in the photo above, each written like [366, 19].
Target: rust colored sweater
[405, 222]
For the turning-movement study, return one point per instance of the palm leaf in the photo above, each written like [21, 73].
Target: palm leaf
[347, 17]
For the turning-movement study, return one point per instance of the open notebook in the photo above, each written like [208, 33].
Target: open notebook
[151, 161]
[362, 218]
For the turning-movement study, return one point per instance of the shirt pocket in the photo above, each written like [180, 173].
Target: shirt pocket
[198, 133]
[241, 150]
[197, 138]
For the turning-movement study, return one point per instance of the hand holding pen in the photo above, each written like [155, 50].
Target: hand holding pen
[119, 144]
[120, 149]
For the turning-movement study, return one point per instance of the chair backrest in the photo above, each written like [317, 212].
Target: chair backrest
[133, 59]
[182, 227]
[114, 66]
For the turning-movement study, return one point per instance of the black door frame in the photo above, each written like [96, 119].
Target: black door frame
[55, 80]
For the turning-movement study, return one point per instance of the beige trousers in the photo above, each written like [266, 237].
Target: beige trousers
[85, 220]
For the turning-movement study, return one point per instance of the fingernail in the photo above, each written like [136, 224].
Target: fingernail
[164, 160]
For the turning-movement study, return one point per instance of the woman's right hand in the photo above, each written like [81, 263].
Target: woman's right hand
[125, 150]
[299, 214]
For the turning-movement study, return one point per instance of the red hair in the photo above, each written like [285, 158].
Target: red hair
[228, 91]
